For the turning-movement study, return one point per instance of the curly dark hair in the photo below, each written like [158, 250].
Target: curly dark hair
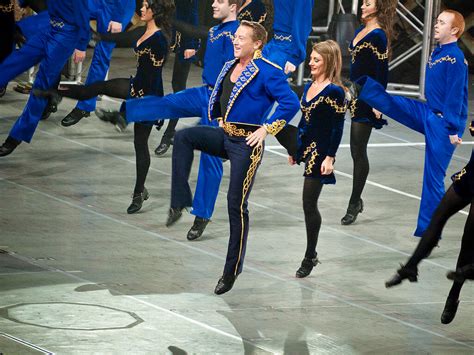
[163, 11]
[386, 11]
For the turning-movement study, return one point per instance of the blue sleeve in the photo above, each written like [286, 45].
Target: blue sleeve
[228, 49]
[278, 89]
[192, 42]
[301, 28]
[338, 125]
[81, 18]
[380, 66]
[456, 83]
[118, 10]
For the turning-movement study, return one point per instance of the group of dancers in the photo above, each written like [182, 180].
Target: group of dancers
[244, 77]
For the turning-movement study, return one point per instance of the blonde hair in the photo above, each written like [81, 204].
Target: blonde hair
[332, 58]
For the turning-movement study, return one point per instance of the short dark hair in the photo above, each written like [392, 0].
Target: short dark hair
[239, 3]
[259, 32]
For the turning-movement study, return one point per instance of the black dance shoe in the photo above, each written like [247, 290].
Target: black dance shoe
[162, 148]
[137, 201]
[198, 228]
[174, 214]
[8, 146]
[462, 274]
[352, 211]
[225, 284]
[449, 311]
[74, 116]
[306, 267]
[402, 274]
[115, 117]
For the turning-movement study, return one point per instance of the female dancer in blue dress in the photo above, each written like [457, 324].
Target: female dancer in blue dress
[151, 50]
[369, 50]
[458, 196]
[323, 105]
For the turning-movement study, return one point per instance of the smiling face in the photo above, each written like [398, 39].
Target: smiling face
[444, 32]
[146, 14]
[244, 44]
[369, 9]
[317, 65]
[221, 9]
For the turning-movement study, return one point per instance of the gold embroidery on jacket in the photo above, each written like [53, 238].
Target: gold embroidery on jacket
[275, 127]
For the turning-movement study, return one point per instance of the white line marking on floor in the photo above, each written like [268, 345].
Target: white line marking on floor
[262, 272]
[26, 343]
[338, 172]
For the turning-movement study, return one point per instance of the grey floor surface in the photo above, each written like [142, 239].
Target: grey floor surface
[79, 275]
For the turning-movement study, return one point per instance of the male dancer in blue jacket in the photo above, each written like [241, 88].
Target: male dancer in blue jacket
[111, 16]
[193, 102]
[68, 33]
[441, 119]
[245, 90]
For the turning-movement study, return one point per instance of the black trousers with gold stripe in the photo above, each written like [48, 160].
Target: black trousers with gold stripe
[244, 162]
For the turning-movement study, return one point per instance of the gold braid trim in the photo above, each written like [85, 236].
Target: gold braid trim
[440, 60]
[232, 130]
[358, 48]
[306, 110]
[353, 107]
[156, 62]
[7, 8]
[177, 41]
[262, 18]
[283, 38]
[213, 38]
[275, 127]
[459, 175]
[308, 149]
[312, 161]
[255, 158]
[58, 24]
[335, 106]
[471, 128]
[245, 15]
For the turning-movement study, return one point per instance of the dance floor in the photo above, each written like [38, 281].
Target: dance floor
[80, 275]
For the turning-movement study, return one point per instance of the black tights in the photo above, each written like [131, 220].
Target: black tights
[449, 205]
[180, 76]
[119, 88]
[311, 191]
[142, 154]
[360, 134]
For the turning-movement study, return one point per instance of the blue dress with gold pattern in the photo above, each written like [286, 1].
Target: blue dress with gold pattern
[320, 130]
[254, 12]
[151, 54]
[368, 57]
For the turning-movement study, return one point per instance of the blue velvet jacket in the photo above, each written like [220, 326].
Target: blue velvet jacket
[74, 13]
[293, 22]
[260, 85]
[219, 50]
[446, 86]
[255, 12]
[369, 57]
[186, 11]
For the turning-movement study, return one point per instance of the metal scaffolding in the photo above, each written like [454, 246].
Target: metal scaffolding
[423, 48]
